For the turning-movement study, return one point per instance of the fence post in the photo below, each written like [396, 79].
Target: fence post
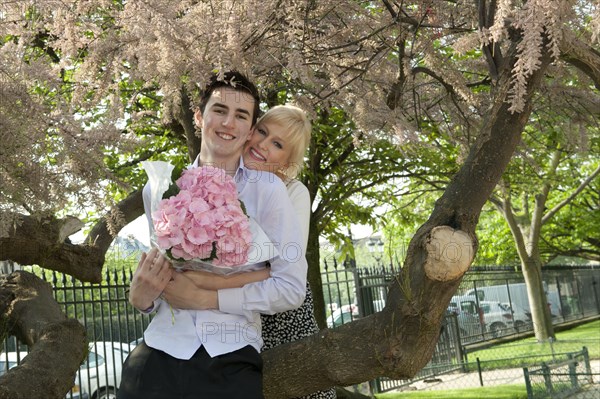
[547, 378]
[579, 296]
[479, 372]
[595, 289]
[573, 371]
[588, 366]
[560, 301]
[528, 383]
[461, 354]
[364, 293]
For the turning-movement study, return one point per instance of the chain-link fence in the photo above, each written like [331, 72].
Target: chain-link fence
[580, 373]
[563, 377]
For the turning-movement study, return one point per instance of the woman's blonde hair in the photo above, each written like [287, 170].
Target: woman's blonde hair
[298, 128]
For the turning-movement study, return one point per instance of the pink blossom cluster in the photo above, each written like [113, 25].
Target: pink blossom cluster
[206, 211]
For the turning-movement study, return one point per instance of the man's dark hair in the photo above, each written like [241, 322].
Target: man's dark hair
[237, 81]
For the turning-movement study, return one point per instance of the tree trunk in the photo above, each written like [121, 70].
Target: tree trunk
[58, 344]
[313, 255]
[540, 312]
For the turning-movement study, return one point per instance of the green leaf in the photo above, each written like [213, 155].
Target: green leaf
[213, 253]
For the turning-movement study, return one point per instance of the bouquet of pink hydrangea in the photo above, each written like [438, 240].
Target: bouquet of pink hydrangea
[204, 220]
[199, 222]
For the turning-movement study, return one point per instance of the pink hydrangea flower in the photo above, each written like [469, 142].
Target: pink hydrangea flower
[205, 215]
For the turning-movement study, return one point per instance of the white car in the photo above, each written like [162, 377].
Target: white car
[100, 374]
[342, 315]
[522, 322]
[8, 360]
[498, 317]
[469, 316]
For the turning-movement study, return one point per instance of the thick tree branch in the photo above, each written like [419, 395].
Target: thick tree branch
[42, 242]
[128, 209]
[34, 316]
[581, 55]
[517, 233]
[540, 203]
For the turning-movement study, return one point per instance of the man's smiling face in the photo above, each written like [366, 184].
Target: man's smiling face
[226, 124]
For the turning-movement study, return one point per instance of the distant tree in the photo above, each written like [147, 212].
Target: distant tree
[345, 174]
[550, 174]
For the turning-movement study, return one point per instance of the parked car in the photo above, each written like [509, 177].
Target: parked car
[342, 315]
[498, 317]
[521, 319]
[469, 315]
[516, 295]
[100, 374]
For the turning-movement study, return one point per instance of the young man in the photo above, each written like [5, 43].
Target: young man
[213, 350]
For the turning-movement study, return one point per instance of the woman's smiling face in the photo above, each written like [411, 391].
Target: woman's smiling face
[268, 148]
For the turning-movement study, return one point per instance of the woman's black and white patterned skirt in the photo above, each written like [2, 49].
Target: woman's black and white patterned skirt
[291, 326]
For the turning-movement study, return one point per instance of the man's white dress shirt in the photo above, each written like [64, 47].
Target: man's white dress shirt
[237, 322]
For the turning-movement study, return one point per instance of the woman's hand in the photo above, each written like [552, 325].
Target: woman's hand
[205, 280]
[215, 282]
[182, 293]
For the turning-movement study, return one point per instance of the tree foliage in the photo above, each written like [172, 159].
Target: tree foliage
[561, 175]
[73, 72]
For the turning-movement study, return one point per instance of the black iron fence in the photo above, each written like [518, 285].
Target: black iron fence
[490, 302]
[350, 293]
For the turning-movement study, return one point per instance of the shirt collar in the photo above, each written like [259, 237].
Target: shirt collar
[239, 174]
[241, 169]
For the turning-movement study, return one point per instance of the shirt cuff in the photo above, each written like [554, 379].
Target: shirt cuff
[150, 309]
[230, 300]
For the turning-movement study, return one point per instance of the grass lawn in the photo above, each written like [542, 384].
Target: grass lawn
[516, 354]
[528, 351]
[495, 392]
